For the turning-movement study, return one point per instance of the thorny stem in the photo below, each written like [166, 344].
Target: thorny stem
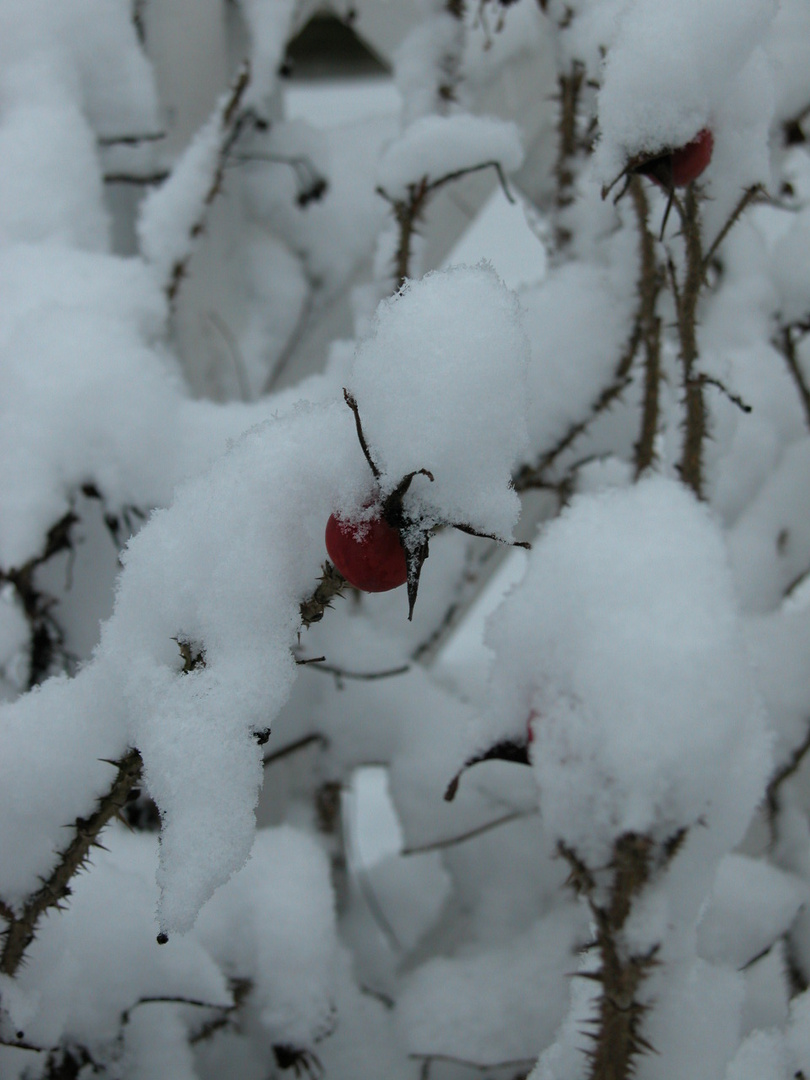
[231, 122]
[570, 87]
[747, 197]
[533, 476]
[21, 926]
[451, 841]
[787, 346]
[617, 1038]
[20, 929]
[294, 747]
[408, 212]
[649, 286]
[46, 636]
[686, 295]
[773, 792]
[450, 63]
[331, 584]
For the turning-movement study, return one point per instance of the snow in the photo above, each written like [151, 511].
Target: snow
[425, 382]
[339, 105]
[752, 906]
[50, 188]
[624, 639]
[789, 270]
[170, 212]
[669, 74]
[434, 147]
[653, 645]
[425, 58]
[474, 1007]
[579, 324]
[270, 24]
[501, 234]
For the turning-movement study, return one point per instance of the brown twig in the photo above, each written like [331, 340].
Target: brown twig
[46, 636]
[294, 747]
[451, 841]
[774, 789]
[649, 286]
[786, 343]
[231, 124]
[137, 179]
[570, 88]
[54, 890]
[687, 295]
[747, 197]
[362, 676]
[616, 1035]
[408, 212]
[531, 476]
[331, 584]
[130, 140]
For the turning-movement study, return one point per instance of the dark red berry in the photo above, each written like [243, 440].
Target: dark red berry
[369, 554]
[689, 161]
[678, 167]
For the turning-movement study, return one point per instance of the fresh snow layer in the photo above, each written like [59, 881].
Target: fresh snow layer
[440, 384]
[623, 639]
[435, 147]
[673, 70]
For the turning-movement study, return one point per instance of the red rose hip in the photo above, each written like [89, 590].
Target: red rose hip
[689, 161]
[367, 553]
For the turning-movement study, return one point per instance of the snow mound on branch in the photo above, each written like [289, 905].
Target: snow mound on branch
[498, 1004]
[269, 22]
[579, 324]
[674, 70]
[169, 214]
[434, 147]
[223, 569]
[274, 923]
[624, 641]
[50, 186]
[440, 384]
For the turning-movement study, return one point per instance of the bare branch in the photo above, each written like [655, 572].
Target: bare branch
[231, 127]
[773, 791]
[331, 584]
[649, 287]
[786, 343]
[690, 466]
[352, 403]
[747, 197]
[294, 747]
[19, 932]
[366, 676]
[137, 179]
[409, 211]
[451, 841]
